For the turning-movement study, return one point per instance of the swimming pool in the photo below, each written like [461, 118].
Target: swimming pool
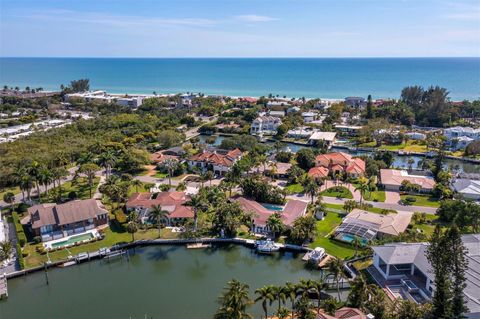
[72, 240]
[349, 238]
[273, 207]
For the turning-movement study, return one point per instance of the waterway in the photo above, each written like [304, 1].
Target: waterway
[158, 282]
[398, 161]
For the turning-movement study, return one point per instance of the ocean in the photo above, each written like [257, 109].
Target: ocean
[293, 77]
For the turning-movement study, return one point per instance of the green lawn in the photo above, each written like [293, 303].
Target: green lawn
[80, 187]
[14, 190]
[294, 188]
[376, 196]
[428, 227]
[337, 191]
[410, 146]
[160, 175]
[332, 247]
[423, 200]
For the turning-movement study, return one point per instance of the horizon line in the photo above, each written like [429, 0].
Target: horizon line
[238, 57]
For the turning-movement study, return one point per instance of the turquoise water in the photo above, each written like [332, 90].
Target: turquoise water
[73, 240]
[326, 77]
[273, 207]
[350, 238]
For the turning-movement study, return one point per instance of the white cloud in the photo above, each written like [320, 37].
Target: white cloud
[252, 18]
[464, 12]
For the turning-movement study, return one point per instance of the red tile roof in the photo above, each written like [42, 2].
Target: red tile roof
[227, 159]
[340, 161]
[318, 172]
[159, 157]
[173, 202]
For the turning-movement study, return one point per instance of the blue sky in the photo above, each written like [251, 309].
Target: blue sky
[240, 28]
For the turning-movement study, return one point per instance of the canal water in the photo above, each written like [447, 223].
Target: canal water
[398, 161]
[158, 282]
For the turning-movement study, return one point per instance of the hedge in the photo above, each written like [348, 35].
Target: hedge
[21, 261]
[22, 238]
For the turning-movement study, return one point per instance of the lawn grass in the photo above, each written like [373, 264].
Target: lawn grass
[337, 191]
[332, 247]
[80, 187]
[113, 235]
[375, 196]
[409, 146]
[14, 190]
[294, 188]
[423, 200]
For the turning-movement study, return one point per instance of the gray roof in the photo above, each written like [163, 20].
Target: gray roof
[406, 253]
[467, 186]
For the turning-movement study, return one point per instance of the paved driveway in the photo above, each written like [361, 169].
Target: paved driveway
[392, 197]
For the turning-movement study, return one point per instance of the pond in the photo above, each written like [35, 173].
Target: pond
[158, 282]
[398, 161]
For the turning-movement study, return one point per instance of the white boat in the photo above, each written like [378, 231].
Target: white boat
[315, 256]
[267, 246]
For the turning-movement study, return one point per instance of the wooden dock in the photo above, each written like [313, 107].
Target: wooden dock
[325, 261]
[3, 287]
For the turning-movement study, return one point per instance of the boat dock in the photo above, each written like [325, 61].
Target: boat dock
[3, 287]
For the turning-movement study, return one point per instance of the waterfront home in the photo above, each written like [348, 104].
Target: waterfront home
[265, 125]
[368, 226]
[415, 136]
[309, 117]
[276, 104]
[133, 101]
[260, 213]
[319, 172]
[302, 132]
[344, 313]
[355, 101]
[219, 161]
[350, 130]
[468, 188]
[392, 180]
[293, 109]
[340, 162]
[404, 271]
[327, 137]
[277, 113]
[172, 202]
[53, 221]
[459, 137]
[274, 169]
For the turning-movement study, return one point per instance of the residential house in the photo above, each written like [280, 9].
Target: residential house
[339, 162]
[293, 109]
[303, 132]
[277, 113]
[355, 101]
[172, 202]
[468, 188]
[459, 137]
[261, 212]
[369, 226]
[161, 156]
[265, 125]
[392, 180]
[415, 136]
[218, 161]
[53, 221]
[309, 117]
[404, 271]
[350, 130]
[327, 137]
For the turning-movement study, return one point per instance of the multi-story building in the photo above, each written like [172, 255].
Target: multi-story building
[265, 125]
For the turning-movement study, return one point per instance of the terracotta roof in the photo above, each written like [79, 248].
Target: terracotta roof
[318, 172]
[292, 210]
[227, 159]
[343, 313]
[396, 177]
[62, 214]
[173, 202]
[340, 161]
[159, 157]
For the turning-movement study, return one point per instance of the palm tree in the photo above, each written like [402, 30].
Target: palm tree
[265, 294]
[209, 176]
[170, 164]
[311, 188]
[158, 214]
[335, 267]
[290, 291]
[6, 249]
[318, 286]
[137, 183]
[197, 203]
[89, 170]
[275, 224]
[9, 198]
[363, 186]
[34, 171]
[357, 243]
[279, 293]
[58, 174]
[234, 302]
[410, 162]
[106, 160]
[45, 178]
[132, 226]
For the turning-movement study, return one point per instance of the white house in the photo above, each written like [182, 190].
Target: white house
[265, 125]
[309, 117]
[468, 188]
[459, 137]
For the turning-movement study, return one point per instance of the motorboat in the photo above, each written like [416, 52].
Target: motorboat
[267, 246]
[314, 256]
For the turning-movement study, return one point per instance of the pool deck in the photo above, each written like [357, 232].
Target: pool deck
[50, 244]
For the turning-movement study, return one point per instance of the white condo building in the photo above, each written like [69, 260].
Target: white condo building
[265, 125]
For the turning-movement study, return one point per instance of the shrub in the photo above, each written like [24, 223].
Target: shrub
[22, 208]
[37, 239]
[411, 199]
[72, 195]
[21, 261]
[22, 239]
